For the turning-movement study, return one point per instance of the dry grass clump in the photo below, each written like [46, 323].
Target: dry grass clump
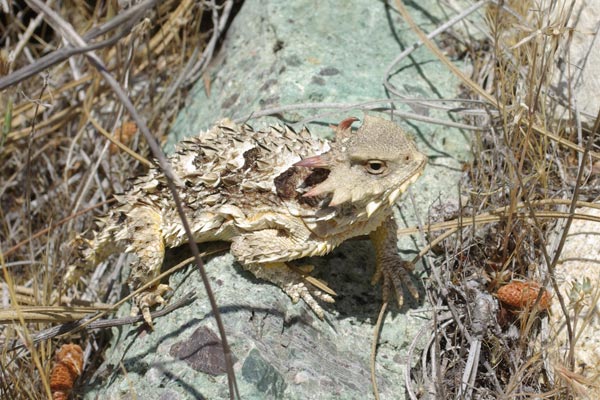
[518, 198]
[57, 164]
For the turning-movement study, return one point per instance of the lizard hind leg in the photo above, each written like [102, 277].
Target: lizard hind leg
[294, 284]
[265, 253]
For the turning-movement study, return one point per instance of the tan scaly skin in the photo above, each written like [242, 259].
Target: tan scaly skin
[277, 196]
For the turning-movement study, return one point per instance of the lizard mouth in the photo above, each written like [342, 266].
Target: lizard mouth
[293, 183]
[316, 176]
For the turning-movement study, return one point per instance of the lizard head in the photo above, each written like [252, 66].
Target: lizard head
[368, 168]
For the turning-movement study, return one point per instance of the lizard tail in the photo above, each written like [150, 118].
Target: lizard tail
[87, 253]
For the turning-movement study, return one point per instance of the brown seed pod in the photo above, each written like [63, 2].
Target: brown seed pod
[522, 295]
[124, 134]
[68, 366]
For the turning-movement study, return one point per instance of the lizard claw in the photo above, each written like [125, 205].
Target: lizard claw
[296, 284]
[149, 298]
[390, 268]
[308, 293]
[395, 277]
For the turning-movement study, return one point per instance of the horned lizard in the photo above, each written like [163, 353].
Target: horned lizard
[277, 196]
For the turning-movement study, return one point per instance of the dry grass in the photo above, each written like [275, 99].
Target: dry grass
[530, 171]
[58, 167]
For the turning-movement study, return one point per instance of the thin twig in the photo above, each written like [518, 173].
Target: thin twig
[219, 27]
[24, 39]
[565, 232]
[124, 21]
[371, 104]
[54, 226]
[440, 29]
[62, 329]
[474, 86]
[374, 341]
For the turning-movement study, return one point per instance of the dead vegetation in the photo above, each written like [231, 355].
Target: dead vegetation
[58, 167]
[530, 172]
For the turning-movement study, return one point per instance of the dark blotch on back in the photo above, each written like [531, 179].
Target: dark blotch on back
[250, 157]
[286, 183]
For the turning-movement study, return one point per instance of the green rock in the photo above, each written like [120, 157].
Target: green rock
[258, 371]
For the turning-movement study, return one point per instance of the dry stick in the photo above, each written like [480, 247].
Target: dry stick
[10, 284]
[28, 168]
[444, 292]
[394, 113]
[124, 21]
[371, 104]
[20, 315]
[440, 29]
[443, 28]
[434, 271]
[50, 314]
[55, 225]
[24, 39]
[113, 140]
[565, 229]
[145, 286]
[499, 213]
[95, 320]
[376, 333]
[183, 73]
[62, 26]
[68, 327]
[219, 27]
[473, 85]
[82, 190]
[537, 227]
[444, 320]
[561, 244]
[411, 348]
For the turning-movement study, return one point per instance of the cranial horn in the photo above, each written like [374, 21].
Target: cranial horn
[345, 124]
[313, 162]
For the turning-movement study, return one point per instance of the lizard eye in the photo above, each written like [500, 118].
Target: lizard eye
[375, 167]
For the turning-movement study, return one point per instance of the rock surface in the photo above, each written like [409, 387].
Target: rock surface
[578, 277]
[279, 53]
[578, 67]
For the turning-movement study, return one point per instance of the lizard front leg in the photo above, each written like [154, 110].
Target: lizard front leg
[264, 254]
[389, 266]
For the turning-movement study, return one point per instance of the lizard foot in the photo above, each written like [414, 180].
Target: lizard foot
[396, 276]
[294, 283]
[149, 298]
